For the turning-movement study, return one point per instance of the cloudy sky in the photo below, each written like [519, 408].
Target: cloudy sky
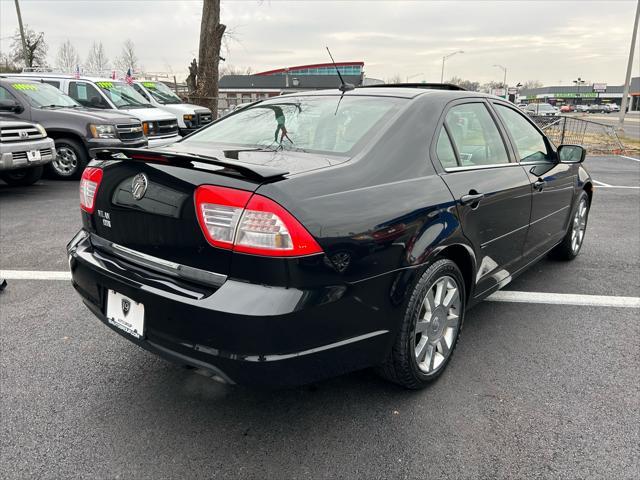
[551, 41]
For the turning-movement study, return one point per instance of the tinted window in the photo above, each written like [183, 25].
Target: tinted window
[5, 95]
[476, 135]
[529, 142]
[87, 95]
[53, 83]
[320, 124]
[444, 150]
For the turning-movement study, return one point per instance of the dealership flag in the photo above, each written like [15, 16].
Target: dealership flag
[129, 77]
[113, 75]
[77, 72]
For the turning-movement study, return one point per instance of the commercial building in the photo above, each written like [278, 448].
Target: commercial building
[597, 93]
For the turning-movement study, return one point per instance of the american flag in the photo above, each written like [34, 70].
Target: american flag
[77, 72]
[129, 77]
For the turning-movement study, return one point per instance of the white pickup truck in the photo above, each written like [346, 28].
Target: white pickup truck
[190, 117]
[24, 149]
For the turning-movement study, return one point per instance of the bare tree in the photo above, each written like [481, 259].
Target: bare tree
[7, 64]
[466, 84]
[233, 70]
[529, 84]
[394, 79]
[97, 60]
[211, 33]
[35, 45]
[128, 58]
[67, 59]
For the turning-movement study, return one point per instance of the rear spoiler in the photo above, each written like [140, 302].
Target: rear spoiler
[248, 170]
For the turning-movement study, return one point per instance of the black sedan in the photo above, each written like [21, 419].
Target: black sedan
[319, 233]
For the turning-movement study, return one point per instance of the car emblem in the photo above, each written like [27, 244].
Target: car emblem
[126, 306]
[24, 134]
[139, 186]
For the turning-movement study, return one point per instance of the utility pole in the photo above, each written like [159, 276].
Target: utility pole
[444, 59]
[25, 55]
[625, 94]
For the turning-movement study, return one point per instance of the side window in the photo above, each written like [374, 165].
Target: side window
[5, 95]
[141, 91]
[529, 142]
[475, 135]
[444, 150]
[86, 95]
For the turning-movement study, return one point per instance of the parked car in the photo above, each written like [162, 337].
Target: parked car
[542, 110]
[159, 126]
[612, 107]
[75, 129]
[190, 117]
[522, 106]
[567, 108]
[24, 149]
[322, 232]
[582, 108]
[597, 108]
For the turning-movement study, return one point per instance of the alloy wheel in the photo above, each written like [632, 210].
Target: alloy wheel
[579, 226]
[437, 324]
[66, 162]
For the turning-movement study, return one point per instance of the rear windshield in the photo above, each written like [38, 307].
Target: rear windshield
[329, 124]
[44, 95]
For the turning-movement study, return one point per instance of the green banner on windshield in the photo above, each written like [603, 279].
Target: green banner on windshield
[106, 85]
[24, 86]
[151, 85]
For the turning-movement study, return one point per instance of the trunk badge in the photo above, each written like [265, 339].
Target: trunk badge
[139, 186]
[126, 306]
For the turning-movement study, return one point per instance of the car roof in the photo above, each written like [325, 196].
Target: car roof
[36, 75]
[393, 91]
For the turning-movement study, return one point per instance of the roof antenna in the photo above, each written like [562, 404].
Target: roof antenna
[344, 87]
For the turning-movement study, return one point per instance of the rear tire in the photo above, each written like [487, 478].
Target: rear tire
[430, 327]
[70, 160]
[22, 177]
[571, 244]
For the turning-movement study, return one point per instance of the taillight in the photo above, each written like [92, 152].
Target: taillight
[242, 222]
[89, 183]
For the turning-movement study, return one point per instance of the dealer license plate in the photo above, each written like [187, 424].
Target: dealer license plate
[126, 314]
[34, 155]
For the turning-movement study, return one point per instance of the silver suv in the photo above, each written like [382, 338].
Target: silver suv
[24, 149]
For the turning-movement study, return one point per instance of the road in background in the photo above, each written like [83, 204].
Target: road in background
[534, 390]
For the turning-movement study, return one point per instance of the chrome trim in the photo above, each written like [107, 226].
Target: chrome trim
[482, 167]
[503, 235]
[158, 264]
[552, 213]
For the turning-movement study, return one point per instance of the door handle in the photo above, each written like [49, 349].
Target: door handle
[539, 184]
[471, 199]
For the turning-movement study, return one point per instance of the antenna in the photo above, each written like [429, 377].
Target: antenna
[344, 87]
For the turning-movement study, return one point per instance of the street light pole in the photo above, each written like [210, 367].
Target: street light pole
[625, 94]
[504, 82]
[443, 60]
[25, 55]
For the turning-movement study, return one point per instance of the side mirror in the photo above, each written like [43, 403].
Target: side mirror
[571, 154]
[9, 105]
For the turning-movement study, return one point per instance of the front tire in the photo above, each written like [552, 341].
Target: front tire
[571, 244]
[70, 160]
[430, 327]
[22, 177]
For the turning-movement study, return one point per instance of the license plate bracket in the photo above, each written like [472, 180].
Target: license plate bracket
[125, 314]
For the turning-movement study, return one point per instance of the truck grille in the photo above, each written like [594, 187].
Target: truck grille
[44, 153]
[131, 131]
[19, 133]
[167, 128]
[204, 118]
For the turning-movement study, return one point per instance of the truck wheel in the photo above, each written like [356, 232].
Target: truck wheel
[22, 177]
[70, 160]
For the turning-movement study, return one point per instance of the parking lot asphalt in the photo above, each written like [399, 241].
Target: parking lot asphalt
[533, 391]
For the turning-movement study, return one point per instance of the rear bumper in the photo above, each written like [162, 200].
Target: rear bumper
[243, 333]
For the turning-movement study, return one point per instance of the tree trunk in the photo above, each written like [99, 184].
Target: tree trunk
[211, 32]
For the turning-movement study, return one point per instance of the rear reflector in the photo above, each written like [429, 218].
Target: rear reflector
[89, 183]
[242, 222]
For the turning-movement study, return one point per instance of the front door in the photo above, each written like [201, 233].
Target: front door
[553, 183]
[493, 195]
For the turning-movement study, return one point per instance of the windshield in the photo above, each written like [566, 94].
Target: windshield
[161, 93]
[44, 95]
[122, 95]
[331, 124]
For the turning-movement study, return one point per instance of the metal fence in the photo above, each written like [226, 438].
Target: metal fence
[595, 137]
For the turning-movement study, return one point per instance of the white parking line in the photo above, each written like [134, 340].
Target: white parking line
[565, 299]
[500, 296]
[630, 158]
[602, 184]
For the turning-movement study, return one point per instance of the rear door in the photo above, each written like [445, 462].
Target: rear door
[493, 194]
[553, 183]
